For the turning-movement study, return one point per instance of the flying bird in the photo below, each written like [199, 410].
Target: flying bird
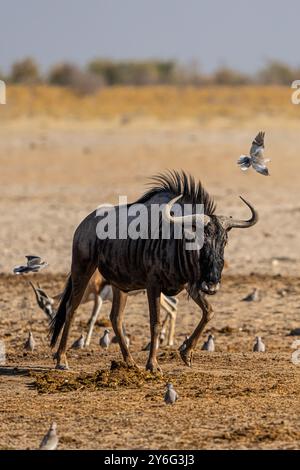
[29, 343]
[256, 158]
[171, 396]
[209, 345]
[50, 440]
[43, 300]
[34, 264]
[259, 346]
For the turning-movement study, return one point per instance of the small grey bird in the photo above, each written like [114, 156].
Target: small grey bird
[79, 343]
[29, 343]
[256, 158]
[171, 395]
[34, 264]
[50, 440]
[43, 300]
[259, 346]
[105, 340]
[253, 296]
[209, 345]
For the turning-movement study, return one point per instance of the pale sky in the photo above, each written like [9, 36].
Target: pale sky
[238, 33]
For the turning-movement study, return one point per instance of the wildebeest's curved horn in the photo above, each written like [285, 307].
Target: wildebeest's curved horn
[192, 218]
[229, 222]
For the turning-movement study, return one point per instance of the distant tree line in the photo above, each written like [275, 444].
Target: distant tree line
[104, 72]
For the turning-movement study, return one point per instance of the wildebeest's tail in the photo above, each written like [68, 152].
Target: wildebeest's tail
[60, 317]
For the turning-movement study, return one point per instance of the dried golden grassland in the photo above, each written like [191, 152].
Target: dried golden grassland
[161, 102]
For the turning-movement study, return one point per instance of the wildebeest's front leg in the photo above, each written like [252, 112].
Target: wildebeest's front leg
[116, 317]
[153, 293]
[187, 348]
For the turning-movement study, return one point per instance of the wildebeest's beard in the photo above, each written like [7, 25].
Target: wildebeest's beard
[211, 257]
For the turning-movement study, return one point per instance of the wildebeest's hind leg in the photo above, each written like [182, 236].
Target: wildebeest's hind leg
[79, 281]
[116, 317]
[153, 293]
[187, 348]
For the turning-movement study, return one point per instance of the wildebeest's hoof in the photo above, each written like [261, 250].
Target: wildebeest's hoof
[187, 356]
[62, 367]
[153, 367]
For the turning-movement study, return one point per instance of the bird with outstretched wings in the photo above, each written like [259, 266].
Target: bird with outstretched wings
[256, 157]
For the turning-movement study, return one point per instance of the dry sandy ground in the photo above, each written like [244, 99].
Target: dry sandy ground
[51, 177]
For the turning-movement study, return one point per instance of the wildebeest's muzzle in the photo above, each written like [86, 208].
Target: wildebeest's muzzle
[209, 288]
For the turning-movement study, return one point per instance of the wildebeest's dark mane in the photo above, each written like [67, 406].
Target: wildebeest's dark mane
[179, 182]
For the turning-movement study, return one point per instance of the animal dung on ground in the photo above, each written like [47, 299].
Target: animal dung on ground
[253, 296]
[256, 158]
[50, 440]
[259, 346]
[105, 340]
[29, 343]
[34, 264]
[209, 345]
[79, 343]
[171, 396]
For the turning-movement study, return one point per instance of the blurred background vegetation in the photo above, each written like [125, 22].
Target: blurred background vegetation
[101, 73]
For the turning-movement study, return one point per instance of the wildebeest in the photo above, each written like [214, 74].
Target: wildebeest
[155, 264]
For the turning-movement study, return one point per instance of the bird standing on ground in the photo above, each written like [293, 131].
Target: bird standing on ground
[105, 340]
[171, 395]
[34, 264]
[50, 440]
[79, 343]
[209, 345]
[256, 158]
[43, 300]
[29, 343]
[253, 297]
[259, 346]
